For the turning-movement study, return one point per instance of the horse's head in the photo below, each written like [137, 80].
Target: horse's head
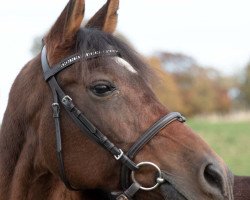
[114, 93]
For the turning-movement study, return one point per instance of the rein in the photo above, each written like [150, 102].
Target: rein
[129, 168]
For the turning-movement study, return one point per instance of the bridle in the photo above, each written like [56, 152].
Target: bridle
[128, 166]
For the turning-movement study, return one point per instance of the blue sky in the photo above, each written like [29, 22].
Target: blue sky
[215, 32]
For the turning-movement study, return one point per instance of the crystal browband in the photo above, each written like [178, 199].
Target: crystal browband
[89, 55]
[77, 57]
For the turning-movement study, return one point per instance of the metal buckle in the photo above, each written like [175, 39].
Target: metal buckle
[56, 110]
[122, 197]
[66, 98]
[118, 157]
[182, 119]
[159, 180]
[55, 105]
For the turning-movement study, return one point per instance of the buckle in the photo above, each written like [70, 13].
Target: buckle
[118, 157]
[55, 105]
[181, 119]
[56, 110]
[66, 99]
[122, 197]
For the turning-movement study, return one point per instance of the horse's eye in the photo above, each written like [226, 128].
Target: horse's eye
[102, 89]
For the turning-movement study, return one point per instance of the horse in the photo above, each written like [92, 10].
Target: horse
[242, 188]
[82, 119]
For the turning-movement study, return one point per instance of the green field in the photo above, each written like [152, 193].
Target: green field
[231, 140]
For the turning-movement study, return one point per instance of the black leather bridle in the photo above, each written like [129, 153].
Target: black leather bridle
[128, 166]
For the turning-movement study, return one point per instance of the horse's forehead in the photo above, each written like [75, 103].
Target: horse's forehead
[115, 66]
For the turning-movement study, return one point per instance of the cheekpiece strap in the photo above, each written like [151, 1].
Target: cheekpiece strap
[77, 116]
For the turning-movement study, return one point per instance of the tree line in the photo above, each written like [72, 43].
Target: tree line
[193, 89]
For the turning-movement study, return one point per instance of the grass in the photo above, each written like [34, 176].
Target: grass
[231, 140]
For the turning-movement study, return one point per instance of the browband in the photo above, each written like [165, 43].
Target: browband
[52, 71]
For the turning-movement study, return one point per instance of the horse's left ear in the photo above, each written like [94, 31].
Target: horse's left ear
[68, 23]
[106, 18]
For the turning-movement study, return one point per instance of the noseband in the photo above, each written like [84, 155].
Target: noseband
[129, 168]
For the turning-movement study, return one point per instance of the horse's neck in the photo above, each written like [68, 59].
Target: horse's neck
[51, 188]
[18, 170]
[12, 150]
[37, 186]
[22, 175]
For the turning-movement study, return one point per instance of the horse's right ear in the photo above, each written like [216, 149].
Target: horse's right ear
[106, 18]
[67, 25]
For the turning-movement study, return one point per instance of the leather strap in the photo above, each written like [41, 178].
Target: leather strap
[153, 130]
[144, 139]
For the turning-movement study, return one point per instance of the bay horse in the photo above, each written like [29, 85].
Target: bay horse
[82, 117]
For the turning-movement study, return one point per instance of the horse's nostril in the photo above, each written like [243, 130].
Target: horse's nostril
[214, 178]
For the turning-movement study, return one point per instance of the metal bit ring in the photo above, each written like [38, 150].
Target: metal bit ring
[159, 180]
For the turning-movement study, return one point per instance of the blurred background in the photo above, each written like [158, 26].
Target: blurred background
[200, 50]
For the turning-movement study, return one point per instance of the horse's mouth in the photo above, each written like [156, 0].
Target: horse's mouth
[169, 192]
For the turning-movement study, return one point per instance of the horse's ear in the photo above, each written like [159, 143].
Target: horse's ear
[106, 18]
[68, 23]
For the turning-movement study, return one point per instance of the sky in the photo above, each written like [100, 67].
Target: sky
[215, 32]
